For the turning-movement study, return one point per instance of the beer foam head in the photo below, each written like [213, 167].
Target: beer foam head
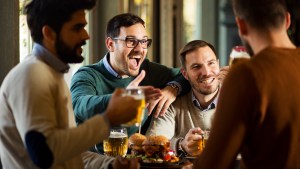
[138, 97]
[239, 52]
[236, 54]
[114, 134]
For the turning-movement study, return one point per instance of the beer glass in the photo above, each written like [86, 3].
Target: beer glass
[204, 139]
[117, 143]
[238, 53]
[138, 94]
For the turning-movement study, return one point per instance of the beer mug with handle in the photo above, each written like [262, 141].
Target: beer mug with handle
[117, 142]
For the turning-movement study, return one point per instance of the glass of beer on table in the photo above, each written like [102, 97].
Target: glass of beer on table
[117, 142]
[138, 94]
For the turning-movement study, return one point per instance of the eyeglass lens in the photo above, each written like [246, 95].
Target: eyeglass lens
[131, 42]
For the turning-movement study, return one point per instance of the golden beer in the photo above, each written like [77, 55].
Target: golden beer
[116, 144]
[138, 94]
[203, 141]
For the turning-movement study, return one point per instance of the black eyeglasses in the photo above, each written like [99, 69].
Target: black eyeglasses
[133, 42]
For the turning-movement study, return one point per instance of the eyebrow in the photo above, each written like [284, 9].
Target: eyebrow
[131, 36]
[79, 25]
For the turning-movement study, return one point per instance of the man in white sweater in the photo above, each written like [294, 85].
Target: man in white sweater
[36, 110]
[192, 113]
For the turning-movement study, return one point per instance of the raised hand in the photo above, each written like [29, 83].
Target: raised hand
[222, 74]
[151, 93]
[163, 102]
[120, 108]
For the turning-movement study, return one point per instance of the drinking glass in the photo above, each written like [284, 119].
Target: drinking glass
[238, 53]
[117, 142]
[204, 139]
[138, 94]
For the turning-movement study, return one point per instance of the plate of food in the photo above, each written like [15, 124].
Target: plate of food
[153, 152]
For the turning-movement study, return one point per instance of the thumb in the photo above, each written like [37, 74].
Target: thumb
[137, 80]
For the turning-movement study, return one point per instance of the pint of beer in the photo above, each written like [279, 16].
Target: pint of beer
[139, 95]
[117, 143]
[238, 53]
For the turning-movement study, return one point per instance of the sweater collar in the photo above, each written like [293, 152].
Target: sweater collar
[212, 105]
[110, 69]
[41, 52]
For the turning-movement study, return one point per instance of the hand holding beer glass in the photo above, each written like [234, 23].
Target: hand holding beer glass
[117, 143]
[138, 94]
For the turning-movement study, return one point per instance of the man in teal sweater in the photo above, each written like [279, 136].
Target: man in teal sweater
[127, 43]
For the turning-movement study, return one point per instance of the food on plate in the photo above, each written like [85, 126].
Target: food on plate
[136, 143]
[151, 149]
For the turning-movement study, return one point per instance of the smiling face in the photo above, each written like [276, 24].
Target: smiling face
[201, 70]
[124, 60]
[71, 38]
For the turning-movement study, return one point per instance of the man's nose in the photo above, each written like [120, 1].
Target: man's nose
[85, 35]
[138, 47]
[205, 70]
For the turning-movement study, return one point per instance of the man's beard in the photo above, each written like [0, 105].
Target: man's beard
[204, 91]
[66, 53]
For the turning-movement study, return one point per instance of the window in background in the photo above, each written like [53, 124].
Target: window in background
[191, 20]
[25, 39]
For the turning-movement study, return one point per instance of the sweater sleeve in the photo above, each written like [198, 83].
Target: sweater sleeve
[87, 100]
[163, 125]
[42, 105]
[96, 161]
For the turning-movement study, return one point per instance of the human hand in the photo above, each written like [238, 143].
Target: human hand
[120, 108]
[222, 74]
[163, 102]
[190, 143]
[151, 93]
[121, 163]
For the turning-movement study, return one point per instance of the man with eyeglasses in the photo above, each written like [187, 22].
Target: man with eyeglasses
[125, 65]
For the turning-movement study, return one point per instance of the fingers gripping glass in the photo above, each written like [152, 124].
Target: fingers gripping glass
[132, 42]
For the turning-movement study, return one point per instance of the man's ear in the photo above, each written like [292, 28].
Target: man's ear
[49, 35]
[110, 44]
[287, 20]
[242, 26]
[183, 72]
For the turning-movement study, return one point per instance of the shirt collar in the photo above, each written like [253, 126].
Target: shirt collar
[110, 69]
[212, 105]
[50, 59]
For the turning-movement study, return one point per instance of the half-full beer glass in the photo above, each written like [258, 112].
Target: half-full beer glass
[138, 94]
[117, 143]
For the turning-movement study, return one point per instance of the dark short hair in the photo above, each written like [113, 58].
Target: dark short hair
[261, 14]
[121, 20]
[53, 13]
[191, 46]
